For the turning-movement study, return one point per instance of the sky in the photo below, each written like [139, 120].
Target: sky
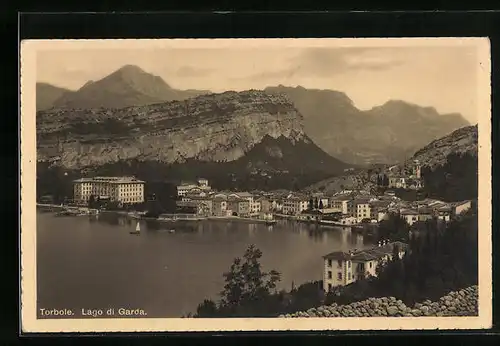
[444, 77]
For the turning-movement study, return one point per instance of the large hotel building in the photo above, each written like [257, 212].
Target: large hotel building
[118, 189]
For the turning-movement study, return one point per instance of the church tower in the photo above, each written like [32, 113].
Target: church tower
[417, 169]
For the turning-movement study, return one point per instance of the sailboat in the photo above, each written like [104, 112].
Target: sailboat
[137, 229]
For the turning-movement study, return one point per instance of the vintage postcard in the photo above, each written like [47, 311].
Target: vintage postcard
[255, 184]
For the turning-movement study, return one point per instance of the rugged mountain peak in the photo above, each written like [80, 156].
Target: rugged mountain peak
[384, 134]
[128, 86]
[137, 77]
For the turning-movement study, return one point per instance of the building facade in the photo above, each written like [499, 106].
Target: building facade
[396, 182]
[360, 209]
[265, 204]
[237, 205]
[295, 205]
[343, 268]
[253, 205]
[115, 189]
[186, 187]
[340, 203]
[219, 206]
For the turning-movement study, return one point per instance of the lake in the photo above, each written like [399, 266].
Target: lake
[89, 263]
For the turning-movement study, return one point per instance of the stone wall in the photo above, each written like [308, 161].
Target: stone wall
[459, 303]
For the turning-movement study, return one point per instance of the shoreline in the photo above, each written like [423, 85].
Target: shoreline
[130, 214]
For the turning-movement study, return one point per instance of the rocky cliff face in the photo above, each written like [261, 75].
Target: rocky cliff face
[215, 127]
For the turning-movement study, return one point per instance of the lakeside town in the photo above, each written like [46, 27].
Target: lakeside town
[353, 209]
[199, 201]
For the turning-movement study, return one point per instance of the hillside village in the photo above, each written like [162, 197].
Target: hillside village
[371, 202]
[348, 207]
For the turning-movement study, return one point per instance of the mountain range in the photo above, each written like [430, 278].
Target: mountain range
[131, 118]
[127, 86]
[388, 133]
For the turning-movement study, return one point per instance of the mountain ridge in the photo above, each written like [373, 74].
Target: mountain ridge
[47, 94]
[387, 133]
[127, 86]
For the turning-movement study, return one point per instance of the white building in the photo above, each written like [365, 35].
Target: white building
[360, 209]
[116, 189]
[397, 182]
[184, 188]
[340, 203]
[410, 216]
[202, 182]
[343, 268]
[254, 204]
[295, 205]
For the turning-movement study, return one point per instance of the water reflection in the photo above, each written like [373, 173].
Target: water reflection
[315, 232]
[188, 264]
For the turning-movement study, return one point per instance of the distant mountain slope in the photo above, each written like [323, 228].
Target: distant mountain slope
[128, 86]
[449, 168]
[460, 142]
[450, 163]
[47, 94]
[384, 134]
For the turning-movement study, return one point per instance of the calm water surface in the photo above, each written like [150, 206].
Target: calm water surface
[96, 264]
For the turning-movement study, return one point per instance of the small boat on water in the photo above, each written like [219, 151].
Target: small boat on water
[171, 231]
[68, 213]
[137, 229]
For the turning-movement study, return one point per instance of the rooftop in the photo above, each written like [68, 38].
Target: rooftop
[380, 204]
[242, 194]
[361, 201]
[425, 210]
[341, 198]
[236, 199]
[111, 180]
[374, 253]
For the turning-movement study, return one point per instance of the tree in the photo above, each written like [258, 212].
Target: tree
[386, 180]
[393, 228]
[310, 206]
[207, 309]
[316, 204]
[321, 204]
[247, 287]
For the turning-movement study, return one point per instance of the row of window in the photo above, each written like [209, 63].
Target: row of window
[339, 263]
[339, 275]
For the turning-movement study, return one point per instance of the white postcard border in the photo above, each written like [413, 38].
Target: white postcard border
[29, 321]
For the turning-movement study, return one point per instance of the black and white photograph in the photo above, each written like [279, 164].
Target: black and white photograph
[255, 184]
